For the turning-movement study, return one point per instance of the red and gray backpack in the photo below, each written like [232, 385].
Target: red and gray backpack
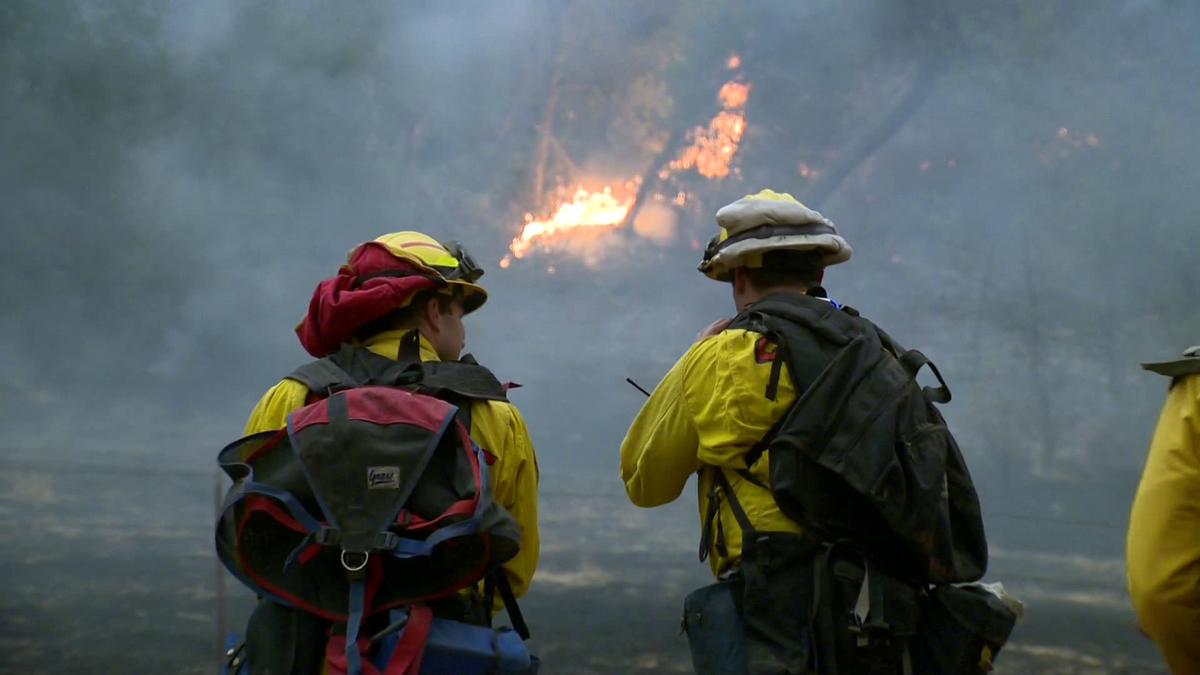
[373, 499]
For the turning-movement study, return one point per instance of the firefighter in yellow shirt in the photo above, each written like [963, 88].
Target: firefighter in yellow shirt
[429, 288]
[1163, 543]
[810, 578]
[709, 409]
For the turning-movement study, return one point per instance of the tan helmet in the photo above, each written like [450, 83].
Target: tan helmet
[769, 221]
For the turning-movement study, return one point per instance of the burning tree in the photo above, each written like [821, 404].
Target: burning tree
[685, 125]
[709, 151]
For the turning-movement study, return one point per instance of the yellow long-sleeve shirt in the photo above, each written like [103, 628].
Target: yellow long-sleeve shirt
[710, 410]
[1163, 543]
[498, 428]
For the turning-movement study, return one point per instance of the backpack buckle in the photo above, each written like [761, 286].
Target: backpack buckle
[327, 536]
[386, 541]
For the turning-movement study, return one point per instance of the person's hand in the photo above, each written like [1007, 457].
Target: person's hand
[713, 328]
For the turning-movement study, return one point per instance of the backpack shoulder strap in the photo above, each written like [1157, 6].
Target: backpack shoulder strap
[354, 366]
[789, 322]
[322, 376]
[458, 382]
[496, 581]
[832, 322]
[462, 383]
[808, 332]
[465, 378]
[913, 361]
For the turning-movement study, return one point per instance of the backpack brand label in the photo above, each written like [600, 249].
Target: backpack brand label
[383, 478]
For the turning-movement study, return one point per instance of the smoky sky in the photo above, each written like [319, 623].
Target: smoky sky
[177, 177]
[1017, 181]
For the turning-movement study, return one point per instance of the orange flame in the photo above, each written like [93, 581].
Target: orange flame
[713, 147]
[710, 153]
[586, 209]
[734, 94]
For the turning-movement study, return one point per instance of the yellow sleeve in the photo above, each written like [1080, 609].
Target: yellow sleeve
[658, 454]
[1163, 541]
[272, 409]
[516, 486]
[726, 393]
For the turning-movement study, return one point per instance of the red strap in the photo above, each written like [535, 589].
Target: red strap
[257, 503]
[410, 649]
[406, 657]
[267, 445]
[335, 656]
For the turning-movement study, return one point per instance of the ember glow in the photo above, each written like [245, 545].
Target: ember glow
[1076, 141]
[585, 210]
[1067, 141]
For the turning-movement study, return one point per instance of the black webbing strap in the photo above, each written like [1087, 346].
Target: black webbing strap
[710, 516]
[739, 514]
[756, 451]
[323, 377]
[496, 581]
[821, 616]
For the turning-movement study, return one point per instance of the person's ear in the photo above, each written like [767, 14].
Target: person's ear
[739, 281]
[433, 315]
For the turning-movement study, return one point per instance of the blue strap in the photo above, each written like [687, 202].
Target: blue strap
[411, 548]
[387, 645]
[298, 512]
[308, 539]
[353, 620]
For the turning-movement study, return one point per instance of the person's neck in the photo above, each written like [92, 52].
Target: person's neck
[758, 294]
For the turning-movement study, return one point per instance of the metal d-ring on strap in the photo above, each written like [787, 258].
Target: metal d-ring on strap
[345, 564]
